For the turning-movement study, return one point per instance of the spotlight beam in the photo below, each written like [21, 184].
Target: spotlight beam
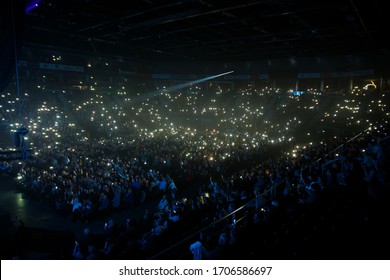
[177, 87]
[197, 81]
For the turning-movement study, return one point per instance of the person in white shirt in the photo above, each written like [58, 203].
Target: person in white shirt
[163, 185]
[172, 190]
[163, 203]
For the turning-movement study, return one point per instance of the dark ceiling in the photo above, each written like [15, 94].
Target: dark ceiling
[208, 30]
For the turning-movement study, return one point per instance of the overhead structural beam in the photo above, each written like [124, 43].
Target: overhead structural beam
[214, 11]
[155, 8]
[361, 20]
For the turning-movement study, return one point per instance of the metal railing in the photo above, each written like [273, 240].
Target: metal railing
[237, 214]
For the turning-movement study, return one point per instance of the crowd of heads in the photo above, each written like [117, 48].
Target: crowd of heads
[94, 154]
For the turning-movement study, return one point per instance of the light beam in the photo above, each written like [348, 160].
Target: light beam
[197, 81]
[177, 87]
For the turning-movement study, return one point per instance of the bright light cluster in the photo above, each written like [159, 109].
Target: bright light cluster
[215, 122]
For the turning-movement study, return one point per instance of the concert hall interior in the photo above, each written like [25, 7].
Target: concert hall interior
[194, 129]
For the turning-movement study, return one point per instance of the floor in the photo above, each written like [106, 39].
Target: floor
[38, 215]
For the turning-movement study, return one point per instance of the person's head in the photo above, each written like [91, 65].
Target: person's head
[86, 231]
[222, 239]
